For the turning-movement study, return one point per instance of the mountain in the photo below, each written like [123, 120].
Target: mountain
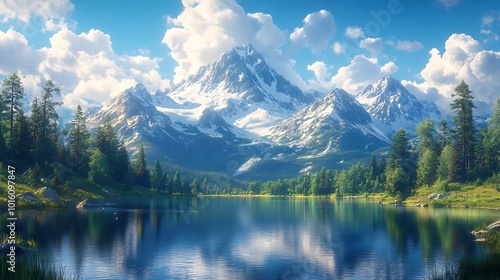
[137, 121]
[242, 89]
[390, 103]
[335, 122]
[240, 117]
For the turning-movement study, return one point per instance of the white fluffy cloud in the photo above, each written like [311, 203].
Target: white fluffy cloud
[16, 54]
[354, 77]
[409, 46]
[43, 14]
[84, 66]
[374, 45]
[360, 72]
[338, 48]
[463, 59]
[354, 32]
[317, 31]
[206, 29]
[321, 73]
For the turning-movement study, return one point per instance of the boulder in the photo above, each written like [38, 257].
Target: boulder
[437, 196]
[494, 226]
[432, 196]
[441, 195]
[29, 197]
[478, 233]
[49, 194]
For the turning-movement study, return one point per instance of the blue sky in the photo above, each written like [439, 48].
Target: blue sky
[95, 49]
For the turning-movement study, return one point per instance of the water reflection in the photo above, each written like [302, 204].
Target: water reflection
[245, 238]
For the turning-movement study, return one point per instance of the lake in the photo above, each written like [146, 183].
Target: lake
[253, 238]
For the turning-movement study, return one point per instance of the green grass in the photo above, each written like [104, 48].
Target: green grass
[30, 243]
[76, 189]
[30, 267]
[486, 196]
[486, 266]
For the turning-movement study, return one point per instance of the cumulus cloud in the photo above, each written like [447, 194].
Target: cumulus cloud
[321, 73]
[409, 46]
[48, 14]
[83, 65]
[317, 31]
[463, 59]
[374, 45]
[354, 32]
[354, 77]
[16, 54]
[360, 72]
[338, 48]
[205, 29]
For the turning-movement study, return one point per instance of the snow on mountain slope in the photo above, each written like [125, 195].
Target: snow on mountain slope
[133, 113]
[206, 143]
[389, 102]
[336, 121]
[243, 89]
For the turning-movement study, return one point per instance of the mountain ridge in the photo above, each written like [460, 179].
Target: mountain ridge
[233, 113]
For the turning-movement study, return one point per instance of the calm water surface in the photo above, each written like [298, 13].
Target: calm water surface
[253, 238]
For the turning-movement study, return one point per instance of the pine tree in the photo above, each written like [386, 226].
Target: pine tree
[444, 163]
[428, 158]
[194, 186]
[204, 186]
[488, 151]
[141, 171]
[454, 169]
[12, 95]
[35, 122]
[400, 170]
[494, 137]
[373, 169]
[169, 184]
[427, 168]
[122, 164]
[45, 110]
[79, 138]
[21, 138]
[443, 136]
[33, 176]
[3, 147]
[464, 136]
[106, 140]
[426, 133]
[176, 182]
[157, 177]
[99, 169]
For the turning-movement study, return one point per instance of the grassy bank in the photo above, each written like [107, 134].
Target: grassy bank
[458, 195]
[31, 267]
[75, 190]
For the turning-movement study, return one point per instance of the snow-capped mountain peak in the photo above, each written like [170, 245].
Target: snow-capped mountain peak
[331, 123]
[389, 102]
[241, 87]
